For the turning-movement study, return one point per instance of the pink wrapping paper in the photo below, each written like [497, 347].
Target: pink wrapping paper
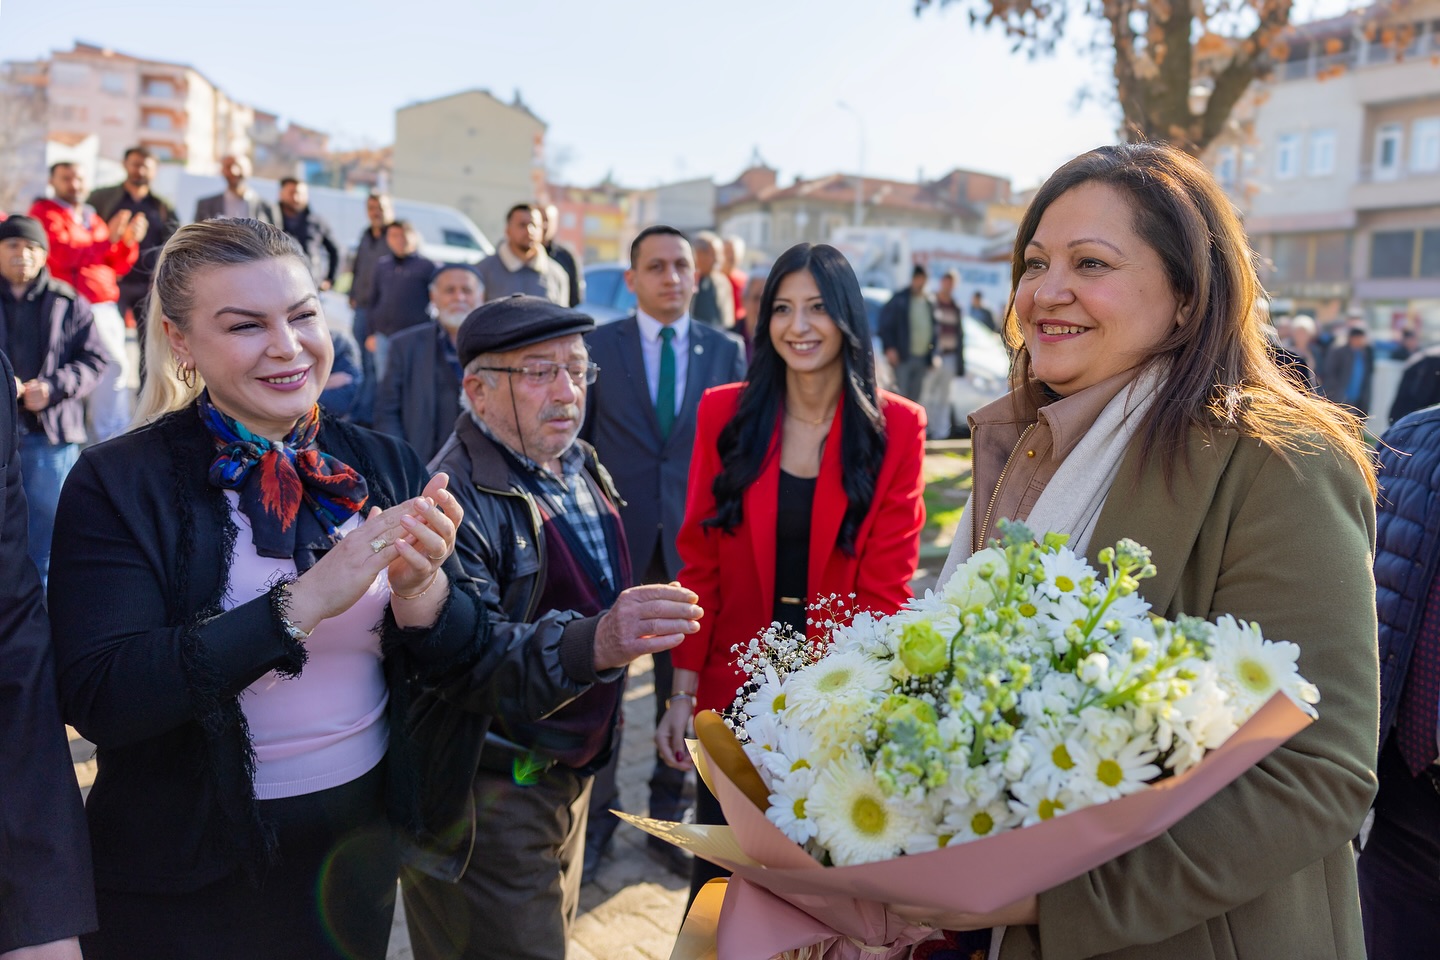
[840, 910]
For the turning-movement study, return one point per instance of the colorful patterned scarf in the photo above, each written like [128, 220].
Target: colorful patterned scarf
[273, 479]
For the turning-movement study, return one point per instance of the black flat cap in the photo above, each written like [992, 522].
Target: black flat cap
[516, 321]
[26, 228]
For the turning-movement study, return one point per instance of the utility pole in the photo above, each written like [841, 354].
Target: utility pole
[860, 173]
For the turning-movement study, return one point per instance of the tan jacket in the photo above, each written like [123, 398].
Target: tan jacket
[1264, 869]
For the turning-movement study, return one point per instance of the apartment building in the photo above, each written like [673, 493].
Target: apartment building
[1335, 164]
[171, 108]
[472, 151]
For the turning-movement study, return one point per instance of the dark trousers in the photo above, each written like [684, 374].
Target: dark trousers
[331, 896]
[1400, 866]
[519, 896]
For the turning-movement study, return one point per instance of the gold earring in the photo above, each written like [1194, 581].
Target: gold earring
[186, 375]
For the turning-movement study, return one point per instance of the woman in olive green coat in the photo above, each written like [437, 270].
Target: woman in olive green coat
[1147, 406]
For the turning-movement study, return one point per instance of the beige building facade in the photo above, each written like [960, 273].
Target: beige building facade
[1335, 164]
[170, 108]
[471, 151]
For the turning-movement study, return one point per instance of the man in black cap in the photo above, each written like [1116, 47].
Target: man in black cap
[542, 533]
[419, 396]
[49, 334]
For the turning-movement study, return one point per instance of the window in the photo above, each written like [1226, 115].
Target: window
[1387, 152]
[458, 238]
[593, 225]
[1425, 145]
[159, 121]
[161, 151]
[1225, 167]
[1392, 253]
[1430, 253]
[112, 82]
[63, 74]
[159, 88]
[1287, 156]
[1322, 153]
[1331, 260]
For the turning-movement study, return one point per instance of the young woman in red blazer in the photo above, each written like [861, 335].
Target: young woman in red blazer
[805, 482]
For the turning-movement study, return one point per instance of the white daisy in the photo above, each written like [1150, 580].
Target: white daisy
[841, 679]
[1064, 572]
[789, 802]
[1253, 669]
[1102, 775]
[854, 818]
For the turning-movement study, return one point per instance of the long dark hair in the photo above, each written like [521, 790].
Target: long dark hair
[744, 442]
[1220, 369]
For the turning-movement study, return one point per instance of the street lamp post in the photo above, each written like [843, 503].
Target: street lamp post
[859, 174]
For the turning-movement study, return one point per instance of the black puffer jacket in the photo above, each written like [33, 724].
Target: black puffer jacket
[1407, 546]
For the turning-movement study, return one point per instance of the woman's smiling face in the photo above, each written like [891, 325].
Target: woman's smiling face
[257, 337]
[1095, 299]
[801, 329]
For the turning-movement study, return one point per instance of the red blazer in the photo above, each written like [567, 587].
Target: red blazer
[734, 573]
[85, 256]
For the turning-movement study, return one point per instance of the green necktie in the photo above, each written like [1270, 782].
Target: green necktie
[665, 390]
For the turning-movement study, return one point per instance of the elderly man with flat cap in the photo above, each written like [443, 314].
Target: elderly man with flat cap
[498, 875]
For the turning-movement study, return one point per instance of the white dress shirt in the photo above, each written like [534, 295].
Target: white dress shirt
[650, 350]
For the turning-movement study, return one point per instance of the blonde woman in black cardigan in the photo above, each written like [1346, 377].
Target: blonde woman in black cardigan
[243, 589]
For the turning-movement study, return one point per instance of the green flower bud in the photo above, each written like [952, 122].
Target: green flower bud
[923, 650]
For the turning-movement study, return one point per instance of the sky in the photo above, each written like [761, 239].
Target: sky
[651, 91]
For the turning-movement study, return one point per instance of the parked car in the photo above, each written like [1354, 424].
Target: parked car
[607, 297]
[987, 363]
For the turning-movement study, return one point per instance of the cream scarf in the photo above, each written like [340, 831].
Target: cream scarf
[1071, 502]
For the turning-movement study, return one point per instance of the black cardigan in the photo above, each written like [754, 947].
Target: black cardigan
[151, 666]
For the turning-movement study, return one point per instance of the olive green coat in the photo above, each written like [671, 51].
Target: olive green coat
[1264, 869]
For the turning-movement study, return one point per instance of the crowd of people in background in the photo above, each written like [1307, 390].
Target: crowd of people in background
[526, 502]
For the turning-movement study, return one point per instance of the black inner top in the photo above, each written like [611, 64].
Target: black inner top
[792, 549]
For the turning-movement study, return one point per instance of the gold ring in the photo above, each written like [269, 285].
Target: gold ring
[378, 544]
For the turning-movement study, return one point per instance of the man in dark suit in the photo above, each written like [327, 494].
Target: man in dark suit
[47, 895]
[238, 200]
[641, 420]
[419, 396]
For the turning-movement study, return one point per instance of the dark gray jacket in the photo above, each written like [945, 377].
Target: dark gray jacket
[501, 546]
[74, 359]
[419, 397]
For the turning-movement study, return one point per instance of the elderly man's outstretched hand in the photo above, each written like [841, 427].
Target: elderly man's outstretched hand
[645, 619]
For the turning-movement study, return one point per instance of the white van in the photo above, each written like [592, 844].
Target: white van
[448, 236]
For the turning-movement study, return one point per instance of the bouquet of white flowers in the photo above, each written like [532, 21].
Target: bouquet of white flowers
[1025, 723]
[1028, 687]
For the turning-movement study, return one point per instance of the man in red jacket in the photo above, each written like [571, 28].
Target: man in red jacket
[91, 255]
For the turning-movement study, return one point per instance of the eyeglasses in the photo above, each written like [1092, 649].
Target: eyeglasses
[542, 373]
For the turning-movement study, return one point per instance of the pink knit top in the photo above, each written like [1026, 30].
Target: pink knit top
[327, 726]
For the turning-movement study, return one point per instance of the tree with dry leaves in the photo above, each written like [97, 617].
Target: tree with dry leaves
[1180, 65]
